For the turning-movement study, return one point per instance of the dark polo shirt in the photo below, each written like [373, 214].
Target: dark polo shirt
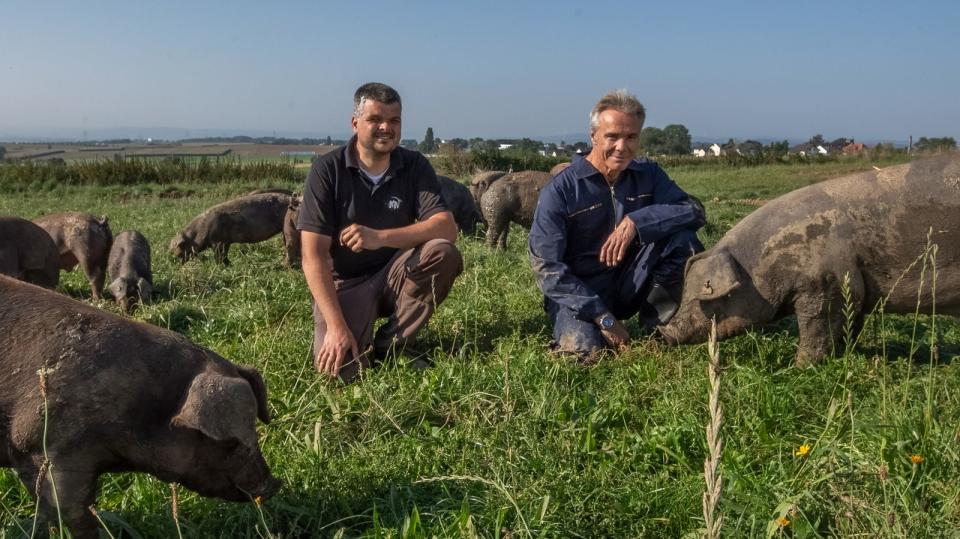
[337, 194]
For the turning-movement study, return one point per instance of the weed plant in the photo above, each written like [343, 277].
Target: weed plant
[500, 438]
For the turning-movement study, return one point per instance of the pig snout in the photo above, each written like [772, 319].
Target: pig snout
[254, 480]
[686, 327]
[268, 488]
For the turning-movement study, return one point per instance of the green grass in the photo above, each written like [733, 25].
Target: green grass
[501, 439]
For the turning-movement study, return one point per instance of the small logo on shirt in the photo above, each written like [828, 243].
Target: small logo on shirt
[394, 203]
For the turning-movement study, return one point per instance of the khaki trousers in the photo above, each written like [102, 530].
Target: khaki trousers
[407, 290]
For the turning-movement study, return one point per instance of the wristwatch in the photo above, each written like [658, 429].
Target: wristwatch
[606, 321]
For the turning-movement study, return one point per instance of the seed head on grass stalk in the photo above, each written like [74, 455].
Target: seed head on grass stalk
[711, 496]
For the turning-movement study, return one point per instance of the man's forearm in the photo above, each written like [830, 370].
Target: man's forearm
[319, 275]
[438, 226]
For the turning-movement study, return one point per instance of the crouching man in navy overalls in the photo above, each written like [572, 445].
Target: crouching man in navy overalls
[611, 236]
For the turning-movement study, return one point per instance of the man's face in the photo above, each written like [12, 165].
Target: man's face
[378, 127]
[616, 139]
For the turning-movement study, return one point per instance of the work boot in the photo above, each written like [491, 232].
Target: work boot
[664, 300]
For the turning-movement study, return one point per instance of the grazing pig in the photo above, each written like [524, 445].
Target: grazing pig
[246, 219]
[86, 392]
[792, 255]
[291, 236]
[84, 239]
[461, 204]
[482, 181]
[512, 198]
[28, 253]
[129, 267]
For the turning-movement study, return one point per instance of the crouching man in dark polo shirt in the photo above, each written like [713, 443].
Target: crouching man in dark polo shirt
[377, 240]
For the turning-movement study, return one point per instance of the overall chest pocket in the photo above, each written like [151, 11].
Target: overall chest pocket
[633, 202]
[589, 221]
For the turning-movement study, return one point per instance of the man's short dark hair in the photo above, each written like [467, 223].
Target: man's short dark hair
[376, 91]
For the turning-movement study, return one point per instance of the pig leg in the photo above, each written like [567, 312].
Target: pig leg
[220, 251]
[96, 273]
[64, 493]
[495, 231]
[822, 318]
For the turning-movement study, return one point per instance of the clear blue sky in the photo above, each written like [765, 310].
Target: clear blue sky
[878, 70]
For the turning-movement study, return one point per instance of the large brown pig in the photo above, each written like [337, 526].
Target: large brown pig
[246, 219]
[793, 254]
[512, 198]
[28, 253]
[86, 392]
[130, 270]
[82, 239]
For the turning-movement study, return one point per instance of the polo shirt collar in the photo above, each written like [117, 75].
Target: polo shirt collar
[396, 158]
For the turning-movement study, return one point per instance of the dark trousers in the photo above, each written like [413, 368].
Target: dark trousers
[624, 291]
[407, 290]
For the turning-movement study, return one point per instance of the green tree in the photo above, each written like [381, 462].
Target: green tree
[527, 145]
[3, 152]
[941, 144]
[429, 144]
[676, 140]
[777, 149]
[459, 143]
[652, 141]
[329, 140]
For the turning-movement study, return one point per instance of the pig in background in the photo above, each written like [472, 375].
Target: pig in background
[246, 219]
[130, 270]
[461, 204]
[28, 253]
[86, 392]
[511, 199]
[81, 239]
[791, 256]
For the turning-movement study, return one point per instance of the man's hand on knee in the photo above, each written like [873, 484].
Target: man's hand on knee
[338, 345]
[614, 249]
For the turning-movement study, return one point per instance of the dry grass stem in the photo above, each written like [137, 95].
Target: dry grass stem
[711, 496]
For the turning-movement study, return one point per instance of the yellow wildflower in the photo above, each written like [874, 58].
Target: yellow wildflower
[802, 450]
[258, 500]
[916, 459]
[783, 522]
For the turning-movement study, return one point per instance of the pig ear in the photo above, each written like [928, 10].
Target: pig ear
[252, 376]
[722, 276]
[144, 289]
[220, 407]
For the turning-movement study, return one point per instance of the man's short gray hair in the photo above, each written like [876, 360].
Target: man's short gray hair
[619, 100]
[377, 91]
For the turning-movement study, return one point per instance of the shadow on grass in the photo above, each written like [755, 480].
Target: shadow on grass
[165, 290]
[180, 319]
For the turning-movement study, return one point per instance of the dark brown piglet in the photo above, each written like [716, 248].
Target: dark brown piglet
[130, 271]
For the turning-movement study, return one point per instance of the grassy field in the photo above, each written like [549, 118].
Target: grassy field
[501, 439]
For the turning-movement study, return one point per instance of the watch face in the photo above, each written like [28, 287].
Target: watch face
[607, 322]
